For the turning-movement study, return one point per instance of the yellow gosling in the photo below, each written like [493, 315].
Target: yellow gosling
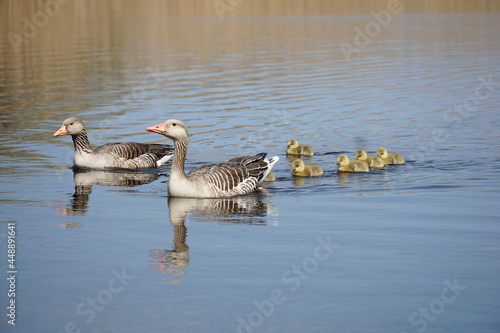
[390, 158]
[270, 177]
[294, 148]
[374, 162]
[300, 169]
[344, 165]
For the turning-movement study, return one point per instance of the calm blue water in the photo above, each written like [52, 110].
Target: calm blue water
[412, 248]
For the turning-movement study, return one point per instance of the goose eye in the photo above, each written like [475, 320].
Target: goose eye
[71, 124]
[174, 124]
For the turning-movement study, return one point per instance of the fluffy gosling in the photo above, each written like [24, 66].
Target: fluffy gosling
[344, 165]
[270, 177]
[374, 162]
[300, 169]
[390, 158]
[293, 148]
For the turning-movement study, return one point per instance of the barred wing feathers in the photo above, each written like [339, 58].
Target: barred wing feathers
[136, 155]
[239, 175]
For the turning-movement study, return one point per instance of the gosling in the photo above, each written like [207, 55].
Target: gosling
[270, 177]
[293, 148]
[374, 162]
[344, 165]
[390, 158]
[299, 169]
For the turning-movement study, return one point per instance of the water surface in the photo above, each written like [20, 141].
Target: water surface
[110, 252]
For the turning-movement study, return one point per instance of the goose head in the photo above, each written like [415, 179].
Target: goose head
[172, 129]
[343, 160]
[382, 152]
[71, 126]
[298, 165]
[292, 144]
[361, 155]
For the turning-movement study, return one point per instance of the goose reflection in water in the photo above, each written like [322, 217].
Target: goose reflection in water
[85, 179]
[250, 209]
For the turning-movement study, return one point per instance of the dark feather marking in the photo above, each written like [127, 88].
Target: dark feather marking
[236, 176]
[136, 155]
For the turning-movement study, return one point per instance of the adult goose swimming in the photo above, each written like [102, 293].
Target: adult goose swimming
[125, 155]
[237, 176]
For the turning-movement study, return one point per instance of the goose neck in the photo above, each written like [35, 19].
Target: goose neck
[81, 142]
[179, 158]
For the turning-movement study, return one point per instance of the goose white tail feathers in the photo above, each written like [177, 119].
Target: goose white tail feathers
[271, 161]
[164, 159]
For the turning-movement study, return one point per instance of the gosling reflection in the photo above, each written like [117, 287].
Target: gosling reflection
[85, 179]
[361, 178]
[243, 210]
[293, 158]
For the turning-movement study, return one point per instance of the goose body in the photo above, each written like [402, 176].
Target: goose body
[374, 162]
[293, 148]
[390, 158]
[344, 165]
[237, 176]
[300, 169]
[124, 155]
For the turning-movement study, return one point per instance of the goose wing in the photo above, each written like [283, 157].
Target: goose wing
[239, 175]
[131, 150]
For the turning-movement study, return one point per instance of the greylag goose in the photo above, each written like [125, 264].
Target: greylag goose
[390, 158]
[300, 169]
[237, 176]
[373, 162]
[344, 165]
[293, 148]
[125, 155]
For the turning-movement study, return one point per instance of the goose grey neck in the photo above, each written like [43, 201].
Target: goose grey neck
[81, 142]
[180, 150]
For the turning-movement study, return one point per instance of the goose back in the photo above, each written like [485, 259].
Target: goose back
[130, 150]
[236, 176]
[126, 155]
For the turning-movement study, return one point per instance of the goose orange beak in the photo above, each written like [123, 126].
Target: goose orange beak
[160, 128]
[61, 131]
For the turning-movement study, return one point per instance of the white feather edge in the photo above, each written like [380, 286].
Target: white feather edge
[271, 161]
